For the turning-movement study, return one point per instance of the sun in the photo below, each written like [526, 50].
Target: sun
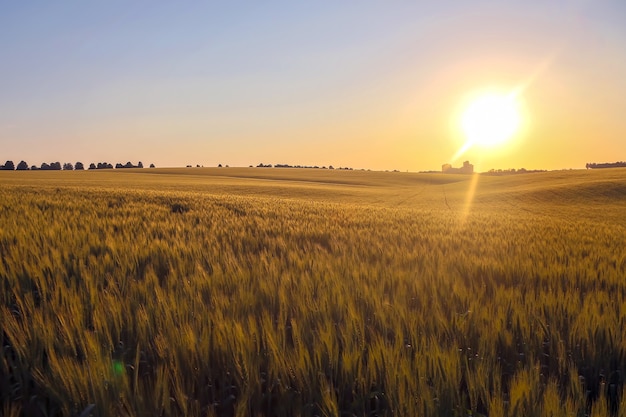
[491, 119]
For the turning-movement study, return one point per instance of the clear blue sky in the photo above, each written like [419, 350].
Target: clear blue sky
[362, 84]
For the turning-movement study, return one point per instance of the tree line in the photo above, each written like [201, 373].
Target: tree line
[67, 166]
[261, 165]
[620, 164]
[512, 171]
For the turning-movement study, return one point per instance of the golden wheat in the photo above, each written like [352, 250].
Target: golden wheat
[286, 293]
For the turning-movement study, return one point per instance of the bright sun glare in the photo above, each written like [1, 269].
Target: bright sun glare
[490, 119]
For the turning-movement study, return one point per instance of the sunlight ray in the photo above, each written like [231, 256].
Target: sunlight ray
[469, 198]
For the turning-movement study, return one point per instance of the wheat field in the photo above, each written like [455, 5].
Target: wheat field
[301, 292]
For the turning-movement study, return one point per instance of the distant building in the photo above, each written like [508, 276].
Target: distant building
[467, 168]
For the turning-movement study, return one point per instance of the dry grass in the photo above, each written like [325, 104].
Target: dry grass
[258, 292]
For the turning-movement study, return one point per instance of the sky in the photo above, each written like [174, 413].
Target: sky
[367, 84]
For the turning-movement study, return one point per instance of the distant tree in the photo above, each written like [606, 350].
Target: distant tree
[139, 165]
[118, 166]
[22, 166]
[8, 166]
[68, 166]
[55, 166]
[152, 166]
[45, 166]
[34, 168]
[92, 166]
[79, 166]
[219, 165]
